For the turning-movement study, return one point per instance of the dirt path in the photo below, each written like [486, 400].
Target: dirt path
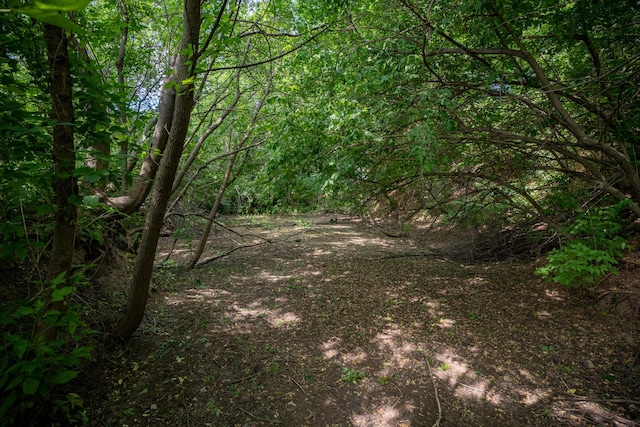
[334, 324]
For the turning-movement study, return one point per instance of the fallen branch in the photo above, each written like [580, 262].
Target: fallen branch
[230, 251]
[586, 399]
[435, 392]
[257, 417]
[296, 383]
[240, 379]
[224, 254]
[425, 254]
[604, 419]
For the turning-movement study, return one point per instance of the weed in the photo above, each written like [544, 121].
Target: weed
[303, 223]
[235, 390]
[30, 366]
[72, 409]
[547, 348]
[248, 348]
[475, 317]
[201, 324]
[443, 367]
[385, 380]
[270, 350]
[567, 369]
[214, 409]
[352, 375]
[290, 288]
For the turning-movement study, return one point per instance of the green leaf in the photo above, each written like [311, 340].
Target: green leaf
[17, 380]
[30, 385]
[8, 403]
[91, 201]
[29, 366]
[64, 377]
[24, 311]
[20, 347]
[66, 5]
[82, 352]
[50, 313]
[59, 279]
[59, 294]
[20, 252]
[50, 17]
[3, 381]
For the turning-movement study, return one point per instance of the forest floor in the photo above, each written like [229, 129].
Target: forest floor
[323, 323]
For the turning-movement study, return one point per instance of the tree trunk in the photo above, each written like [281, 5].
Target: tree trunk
[143, 268]
[214, 211]
[64, 157]
[132, 201]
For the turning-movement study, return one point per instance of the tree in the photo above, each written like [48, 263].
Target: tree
[64, 156]
[525, 103]
[195, 64]
[182, 79]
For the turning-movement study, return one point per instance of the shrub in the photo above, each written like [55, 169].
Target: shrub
[594, 251]
[30, 366]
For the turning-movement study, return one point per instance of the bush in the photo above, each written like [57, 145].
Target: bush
[30, 366]
[594, 251]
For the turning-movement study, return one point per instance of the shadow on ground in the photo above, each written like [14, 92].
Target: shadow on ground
[334, 324]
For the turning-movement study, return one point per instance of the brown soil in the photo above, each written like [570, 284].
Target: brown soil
[324, 323]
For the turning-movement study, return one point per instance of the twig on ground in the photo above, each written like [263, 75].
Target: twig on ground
[435, 392]
[224, 254]
[408, 255]
[602, 419]
[239, 380]
[296, 383]
[471, 388]
[257, 417]
[586, 399]
[399, 397]
[186, 410]
[255, 235]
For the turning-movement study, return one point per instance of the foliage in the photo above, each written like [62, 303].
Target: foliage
[31, 367]
[442, 100]
[48, 11]
[597, 244]
[352, 375]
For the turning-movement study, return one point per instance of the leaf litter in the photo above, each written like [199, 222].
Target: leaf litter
[319, 322]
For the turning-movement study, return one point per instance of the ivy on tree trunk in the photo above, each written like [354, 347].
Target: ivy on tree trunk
[64, 156]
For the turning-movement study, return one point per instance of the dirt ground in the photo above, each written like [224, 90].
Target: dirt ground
[318, 322]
